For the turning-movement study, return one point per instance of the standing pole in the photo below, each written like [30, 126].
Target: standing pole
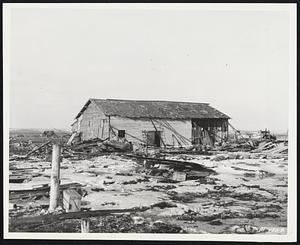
[55, 172]
[85, 225]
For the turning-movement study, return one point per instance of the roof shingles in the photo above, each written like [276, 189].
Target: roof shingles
[156, 109]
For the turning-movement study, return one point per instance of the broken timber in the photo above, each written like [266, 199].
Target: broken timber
[38, 148]
[174, 163]
[50, 218]
[19, 194]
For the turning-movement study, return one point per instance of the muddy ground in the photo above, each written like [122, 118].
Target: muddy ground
[247, 193]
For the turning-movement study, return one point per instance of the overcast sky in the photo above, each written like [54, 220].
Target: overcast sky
[238, 61]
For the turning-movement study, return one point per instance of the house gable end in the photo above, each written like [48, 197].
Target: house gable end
[86, 105]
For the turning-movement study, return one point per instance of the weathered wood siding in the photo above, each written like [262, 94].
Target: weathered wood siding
[136, 127]
[182, 127]
[94, 124]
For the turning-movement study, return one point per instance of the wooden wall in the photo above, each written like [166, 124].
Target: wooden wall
[209, 131]
[136, 128]
[94, 123]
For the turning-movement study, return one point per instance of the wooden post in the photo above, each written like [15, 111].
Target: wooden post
[54, 183]
[85, 225]
[108, 127]
[71, 200]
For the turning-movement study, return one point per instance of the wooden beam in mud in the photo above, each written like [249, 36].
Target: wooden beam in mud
[18, 194]
[50, 218]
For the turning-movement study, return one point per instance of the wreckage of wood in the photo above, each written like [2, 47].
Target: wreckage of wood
[50, 218]
[43, 190]
[38, 148]
[175, 163]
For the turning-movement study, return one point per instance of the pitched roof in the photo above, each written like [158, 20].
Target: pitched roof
[155, 109]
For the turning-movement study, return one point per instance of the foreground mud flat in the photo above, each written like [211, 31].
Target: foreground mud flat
[244, 193]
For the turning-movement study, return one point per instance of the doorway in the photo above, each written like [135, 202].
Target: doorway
[154, 138]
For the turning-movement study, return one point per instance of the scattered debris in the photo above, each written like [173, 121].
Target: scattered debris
[247, 229]
[170, 190]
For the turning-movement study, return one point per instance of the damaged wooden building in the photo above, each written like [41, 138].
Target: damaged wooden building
[152, 123]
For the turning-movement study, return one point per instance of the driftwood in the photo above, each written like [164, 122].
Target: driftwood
[50, 218]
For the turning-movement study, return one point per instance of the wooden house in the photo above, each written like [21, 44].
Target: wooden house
[153, 123]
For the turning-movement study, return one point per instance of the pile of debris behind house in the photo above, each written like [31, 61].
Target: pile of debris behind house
[96, 145]
[74, 147]
[262, 142]
[20, 150]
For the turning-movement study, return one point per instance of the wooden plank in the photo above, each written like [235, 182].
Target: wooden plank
[44, 219]
[71, 139]
[38, 190]
[175, 163]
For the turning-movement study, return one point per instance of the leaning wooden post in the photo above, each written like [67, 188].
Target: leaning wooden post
[54, 183]
[85, 225]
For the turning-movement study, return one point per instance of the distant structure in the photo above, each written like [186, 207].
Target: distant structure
[153, 123]
[49, 134]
